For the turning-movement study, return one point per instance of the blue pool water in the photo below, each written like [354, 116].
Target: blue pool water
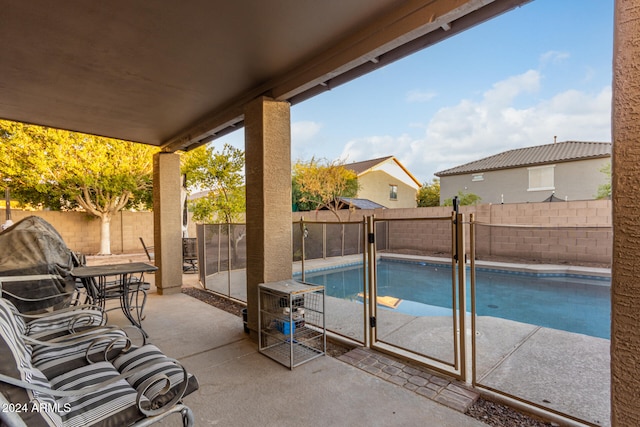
[571, 303]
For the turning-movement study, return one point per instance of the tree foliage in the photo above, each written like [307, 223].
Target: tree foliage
[221, 174]
[429, 194]
[63, 170]
[464, 199]
[604, 190]
[318, 184]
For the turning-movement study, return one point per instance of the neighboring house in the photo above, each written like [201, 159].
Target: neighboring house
[386, 182]
[568, 170]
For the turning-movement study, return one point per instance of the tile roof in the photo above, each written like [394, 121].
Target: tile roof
[362, 203]
[540, 154]
[359, 167]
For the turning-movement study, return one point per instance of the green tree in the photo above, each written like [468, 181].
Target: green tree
[604, 190]
[321, 184]
[429, 194]
[465, 199]
[58, 169]
[221, 174]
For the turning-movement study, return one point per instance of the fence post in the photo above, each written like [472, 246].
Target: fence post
[219, 246]
[228, 259]
[361, 230]
[472, 272]
[454, 282]
[324, 240]
[370, 291]
[303, 236]
[462, 295]
[202, 248]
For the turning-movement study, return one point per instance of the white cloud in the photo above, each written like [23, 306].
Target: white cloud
[505, 91]
[302, 138]
[304, 130]
[553, 57]
[376, 146]
[419, 96]
[474, 129]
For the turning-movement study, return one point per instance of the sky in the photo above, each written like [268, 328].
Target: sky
[541, 71]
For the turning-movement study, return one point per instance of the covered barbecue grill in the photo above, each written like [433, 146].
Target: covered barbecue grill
[35, 266]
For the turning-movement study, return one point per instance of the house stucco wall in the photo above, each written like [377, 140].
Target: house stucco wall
[578, 180]
[374, 185]
[625, 292]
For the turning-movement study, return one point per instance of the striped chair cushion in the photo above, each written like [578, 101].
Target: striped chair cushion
[60, 322]
[64, 322]
[12, 330]
[15, 362]
[113, 405]
[20, 323]
[160, 366]
[69, 353]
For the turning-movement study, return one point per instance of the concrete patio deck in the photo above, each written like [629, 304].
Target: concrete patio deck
[241, 387]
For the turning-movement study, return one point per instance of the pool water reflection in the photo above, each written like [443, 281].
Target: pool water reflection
[573, 303]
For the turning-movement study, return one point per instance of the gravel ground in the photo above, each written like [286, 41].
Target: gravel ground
[491, 413]
[217, 301]
[499, 415]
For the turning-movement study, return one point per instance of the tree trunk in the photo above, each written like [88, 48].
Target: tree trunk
[105, 234]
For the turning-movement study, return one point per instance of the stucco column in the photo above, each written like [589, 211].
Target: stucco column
[625, 280]
[167, 223]
[267, 126]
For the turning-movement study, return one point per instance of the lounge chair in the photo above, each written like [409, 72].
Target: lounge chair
[140, 386]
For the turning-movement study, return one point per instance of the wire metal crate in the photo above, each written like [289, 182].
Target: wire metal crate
[291, 322]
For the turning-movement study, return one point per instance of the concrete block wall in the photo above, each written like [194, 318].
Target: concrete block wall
[420, 236]
[585, 236]
[565, 244]
[581, 230]
[81, 232]
[587, 212]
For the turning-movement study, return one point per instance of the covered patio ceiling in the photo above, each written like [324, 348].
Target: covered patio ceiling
[177, 74]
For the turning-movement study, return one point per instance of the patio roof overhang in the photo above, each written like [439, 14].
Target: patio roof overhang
[178, 74]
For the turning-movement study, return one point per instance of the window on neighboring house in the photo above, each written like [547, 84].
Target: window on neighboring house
[477, 177]
[541, 178]
[393, 192]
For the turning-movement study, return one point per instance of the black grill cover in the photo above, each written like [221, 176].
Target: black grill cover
[33, 247]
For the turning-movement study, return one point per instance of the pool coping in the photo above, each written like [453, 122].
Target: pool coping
[534, 269]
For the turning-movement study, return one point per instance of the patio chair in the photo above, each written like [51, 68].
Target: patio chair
[147, 250]
[80, 260]
[139, 387]
[74, 298]
[71, 320]
[189, 255]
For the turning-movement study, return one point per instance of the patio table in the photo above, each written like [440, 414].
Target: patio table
[122, 281]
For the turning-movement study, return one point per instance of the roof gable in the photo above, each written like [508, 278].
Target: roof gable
[365, 165]
[382, 164]
[540, 154]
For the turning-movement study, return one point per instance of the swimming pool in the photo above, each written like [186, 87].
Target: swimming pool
[573, 303]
